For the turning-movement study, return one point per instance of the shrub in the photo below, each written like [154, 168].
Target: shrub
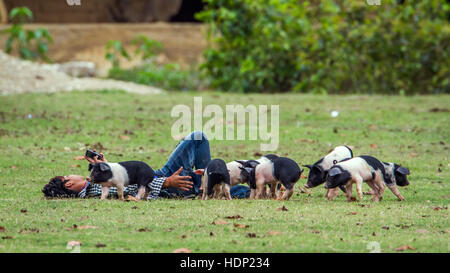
[328, 46]
[30, 44]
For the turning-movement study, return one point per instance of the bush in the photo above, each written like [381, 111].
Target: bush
[30, 44]
[328, 46]
[169, 76]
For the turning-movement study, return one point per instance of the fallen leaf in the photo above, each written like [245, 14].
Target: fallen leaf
[183, 236]
[182, 250]
[302, 190]
[372, 127]
[273, 233]
[7, 237]
[412, 155]
[251, 235]
[220, 222]
[23, 210]
[76, 166]
[124, 137]
[241, 226]
[100, 245]
[422, 231]
[315, 231]
[385, 227]
[352, 213]
[74, 243]
[78, 157]
[283, 208]
[14, 167]
[373, 146]
[211, 233]
[144, 229]
[234, 217]
[27, 231]
[87, 227]
[403, 248]
[2, 229]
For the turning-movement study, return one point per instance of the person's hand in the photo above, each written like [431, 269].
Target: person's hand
[178, 181]
[95, 160]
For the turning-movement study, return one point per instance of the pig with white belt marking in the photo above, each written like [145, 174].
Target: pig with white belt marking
[356, 171]
[282, 170]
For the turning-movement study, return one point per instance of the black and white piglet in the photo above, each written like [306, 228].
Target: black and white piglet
[281, 170]
[356, 171]
[247, 170]
[122, 174]
[216, 180]
[318, 171]
[396, 176]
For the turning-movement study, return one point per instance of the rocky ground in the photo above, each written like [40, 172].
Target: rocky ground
[19, 76]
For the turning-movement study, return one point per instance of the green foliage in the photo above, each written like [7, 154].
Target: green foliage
[328, 46]
[168, 76]
[146, 47]
[30, 44]
[114, 51]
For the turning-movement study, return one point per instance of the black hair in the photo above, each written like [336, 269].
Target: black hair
[56, 187]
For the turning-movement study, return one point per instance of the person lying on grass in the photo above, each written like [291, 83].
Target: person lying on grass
[176, 179]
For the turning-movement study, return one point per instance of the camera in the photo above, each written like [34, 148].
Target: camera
[92, 154]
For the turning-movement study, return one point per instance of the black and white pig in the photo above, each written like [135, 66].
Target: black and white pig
[122, 174]
[318, 171]
[356, 171]
[282, 170]
[396, 176]
[216, 180]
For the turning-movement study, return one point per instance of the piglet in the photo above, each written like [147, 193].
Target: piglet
[318, 171]
[356, 171]
[282, 170]
[216, 180]
[122, 174]
[396, 176]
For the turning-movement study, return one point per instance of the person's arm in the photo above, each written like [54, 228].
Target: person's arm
[174, 181]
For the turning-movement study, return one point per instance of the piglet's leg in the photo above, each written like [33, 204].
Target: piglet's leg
[359, 181]
[374, 191]
[105, 191]
[349, 188]
[141, 192]
[226, 190]
[120, 192]
[332, 193]
[288, 193]
[395, 191]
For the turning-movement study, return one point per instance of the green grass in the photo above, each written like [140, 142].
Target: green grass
[400, 129]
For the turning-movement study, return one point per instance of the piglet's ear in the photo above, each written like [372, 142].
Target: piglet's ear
[403, 170]
[240, 162]
[249, 170]
[301, 170]
[90, 167]
[334, 171]
[308, 166]
[104, 167]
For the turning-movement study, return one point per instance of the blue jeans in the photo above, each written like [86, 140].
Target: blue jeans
[192, 151]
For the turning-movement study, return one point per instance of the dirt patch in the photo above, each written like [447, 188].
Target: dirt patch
[183, 42]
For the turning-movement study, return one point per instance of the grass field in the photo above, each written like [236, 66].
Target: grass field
[40, 134]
